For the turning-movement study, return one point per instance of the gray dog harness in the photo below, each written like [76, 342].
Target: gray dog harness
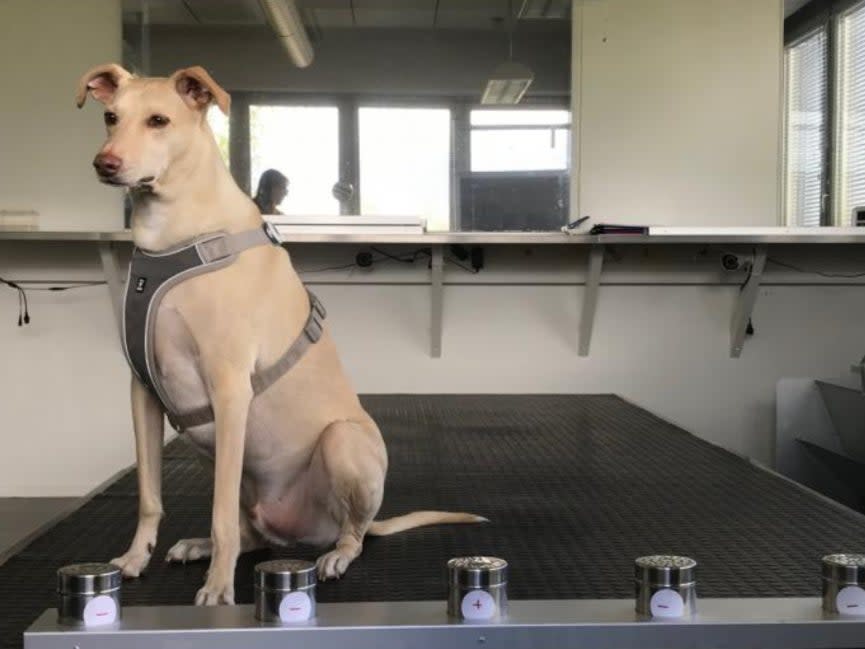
[153, 274]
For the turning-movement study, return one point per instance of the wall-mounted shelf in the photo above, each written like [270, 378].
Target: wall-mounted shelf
[749, 236]
[757, 238]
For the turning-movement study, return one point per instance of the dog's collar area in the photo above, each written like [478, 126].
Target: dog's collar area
[141, 192]
[152, 274]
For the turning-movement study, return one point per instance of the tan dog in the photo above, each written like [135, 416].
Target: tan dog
[302, 460]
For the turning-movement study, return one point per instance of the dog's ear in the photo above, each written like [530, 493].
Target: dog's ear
[102, 82]
[199, 90]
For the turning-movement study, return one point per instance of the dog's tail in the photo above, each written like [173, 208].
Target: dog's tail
[419, 519]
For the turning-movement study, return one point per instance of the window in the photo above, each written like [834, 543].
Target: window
[850, 115]
[517, 170]
[219, 125]
[520, 140]
[302, 142]
[405, 163]
[805, 129]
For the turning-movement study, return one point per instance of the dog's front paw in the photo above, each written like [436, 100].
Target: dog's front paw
[190, 550]
[332, 565]
[132, 564]
[214, 593]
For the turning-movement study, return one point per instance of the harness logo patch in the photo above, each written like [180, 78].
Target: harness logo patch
[140, 283]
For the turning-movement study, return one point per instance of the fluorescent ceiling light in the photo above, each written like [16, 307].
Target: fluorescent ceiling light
[285, 20]
[551, 9]
[507, 84]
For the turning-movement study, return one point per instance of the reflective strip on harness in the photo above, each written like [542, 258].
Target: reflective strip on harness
[151, 275]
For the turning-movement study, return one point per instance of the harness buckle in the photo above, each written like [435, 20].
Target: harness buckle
[318, 307]
[314, 329]
[272, 233]
[215, 249]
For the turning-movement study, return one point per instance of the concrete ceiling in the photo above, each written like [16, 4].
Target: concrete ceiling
[325, 14]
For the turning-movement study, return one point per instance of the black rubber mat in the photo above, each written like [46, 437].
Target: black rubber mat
[576, 487]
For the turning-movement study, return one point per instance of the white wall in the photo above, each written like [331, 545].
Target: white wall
[45, 143]
[64, 385]
[54, 439]
[680, 107]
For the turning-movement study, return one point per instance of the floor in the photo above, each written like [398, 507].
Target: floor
[575, 486]
[22, 518]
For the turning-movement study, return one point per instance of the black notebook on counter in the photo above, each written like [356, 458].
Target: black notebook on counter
[605, 228]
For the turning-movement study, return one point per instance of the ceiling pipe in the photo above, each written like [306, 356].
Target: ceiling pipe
[145, 37]
[286, 22]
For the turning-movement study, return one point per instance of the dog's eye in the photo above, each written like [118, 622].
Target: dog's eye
[110, 118]
[157, 121]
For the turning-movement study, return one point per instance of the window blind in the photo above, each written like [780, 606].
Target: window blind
[804, 138]
[850, 135]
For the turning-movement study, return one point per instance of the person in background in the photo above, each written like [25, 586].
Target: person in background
[272, 190]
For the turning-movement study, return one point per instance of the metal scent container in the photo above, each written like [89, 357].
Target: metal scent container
[477, 588]
[666, 586]
[844, 584]
[88, 594]
[285, 591]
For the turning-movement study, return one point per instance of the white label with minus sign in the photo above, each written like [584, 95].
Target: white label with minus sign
[295, 607]
[667, 603]
[851, 601]
[100, 610]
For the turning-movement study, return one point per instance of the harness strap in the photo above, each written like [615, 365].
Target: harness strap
[230, 245]
[263, 379]
[153, 274]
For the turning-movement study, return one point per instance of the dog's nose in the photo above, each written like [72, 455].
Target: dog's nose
[107, 164]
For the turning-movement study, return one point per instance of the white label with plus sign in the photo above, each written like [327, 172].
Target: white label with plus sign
[478, 605]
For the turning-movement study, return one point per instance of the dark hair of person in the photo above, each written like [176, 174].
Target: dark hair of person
[269, 181]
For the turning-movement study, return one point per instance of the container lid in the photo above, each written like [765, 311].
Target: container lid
[285, 574]
[88, 579]
[477, 572]
[665, 570]
[844, 568]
